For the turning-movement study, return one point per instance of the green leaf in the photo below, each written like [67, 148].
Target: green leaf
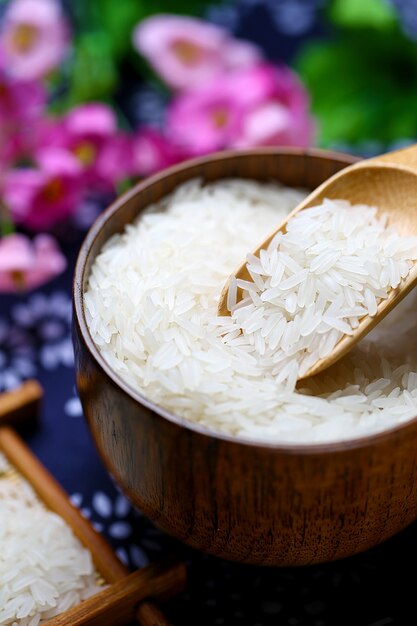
[363, 13]
[118, 20]
[103, 43]
[94, 74]
[362, 86]
[185, 7]
[6, 223]
[124, 185]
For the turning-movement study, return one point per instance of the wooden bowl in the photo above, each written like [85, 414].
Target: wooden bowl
[251, 502]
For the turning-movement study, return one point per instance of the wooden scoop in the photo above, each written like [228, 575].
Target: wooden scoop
[388, 182]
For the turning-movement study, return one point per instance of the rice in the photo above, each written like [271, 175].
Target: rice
[151, 306]
[332, 247]
[44, 569]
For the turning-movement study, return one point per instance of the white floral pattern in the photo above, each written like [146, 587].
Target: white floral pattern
[114, 517]
[73, 408]
[148, 106]
[35, 333]
[17, 356]
[226, 15]
[294, 17]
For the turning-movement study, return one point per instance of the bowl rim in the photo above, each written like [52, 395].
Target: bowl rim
[289, 448]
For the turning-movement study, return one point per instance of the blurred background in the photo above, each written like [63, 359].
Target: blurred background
[94, 95]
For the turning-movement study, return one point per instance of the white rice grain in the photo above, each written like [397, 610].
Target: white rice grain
[168, 268]
[44, 569]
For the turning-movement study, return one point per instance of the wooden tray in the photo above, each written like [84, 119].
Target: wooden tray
[125, 597]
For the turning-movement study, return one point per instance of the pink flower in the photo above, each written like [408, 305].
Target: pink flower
[152, 152]
[185, 51]
[25, 264]
[90, 133]
[205, 119]
[272, 124]
[94, 119]
[21, 106]
[260, 105]
[40, 198]
[34, 37]
[283, 118]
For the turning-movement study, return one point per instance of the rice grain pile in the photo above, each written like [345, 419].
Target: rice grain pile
[334, 264]
[44, 569]
[151, 306]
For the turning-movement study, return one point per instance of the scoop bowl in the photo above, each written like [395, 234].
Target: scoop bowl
[251, 502]
[388, 182]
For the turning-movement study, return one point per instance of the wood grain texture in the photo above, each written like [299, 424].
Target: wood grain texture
[21, 405]
[254, 503]
[148, 614]
[117, 604]
[108, 565]
[56, 499]
[388, 182]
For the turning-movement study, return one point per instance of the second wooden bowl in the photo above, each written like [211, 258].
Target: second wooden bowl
[250, 502]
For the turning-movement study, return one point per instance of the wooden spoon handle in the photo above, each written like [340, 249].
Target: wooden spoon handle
[117, 603]
[20, 405]
[406, 157]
